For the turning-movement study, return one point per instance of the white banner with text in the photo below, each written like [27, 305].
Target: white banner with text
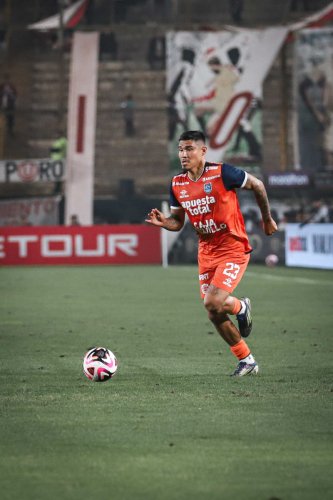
[30, 211]
[309, 246]
[27, 171]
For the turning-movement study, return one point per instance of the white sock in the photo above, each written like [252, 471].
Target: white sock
[242, 311]
[249, 359]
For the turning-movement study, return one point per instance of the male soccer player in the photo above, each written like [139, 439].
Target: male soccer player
[206, 193]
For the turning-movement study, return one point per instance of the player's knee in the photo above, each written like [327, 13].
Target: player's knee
[214, 306]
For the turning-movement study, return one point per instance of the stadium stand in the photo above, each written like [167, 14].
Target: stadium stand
[35, 67]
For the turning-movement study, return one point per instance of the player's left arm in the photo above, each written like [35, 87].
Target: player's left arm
[257, 186]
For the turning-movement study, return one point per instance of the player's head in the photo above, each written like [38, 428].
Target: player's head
[193, 135]
[192, 149]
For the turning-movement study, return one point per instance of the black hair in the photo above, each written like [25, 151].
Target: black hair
[193, 135]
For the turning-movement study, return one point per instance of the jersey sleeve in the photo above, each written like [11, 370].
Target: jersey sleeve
[174, 203]
[233, 177]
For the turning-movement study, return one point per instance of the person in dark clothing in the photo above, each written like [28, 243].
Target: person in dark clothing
[8, 97]
[128, 106]
[236, 10]
[156, 53]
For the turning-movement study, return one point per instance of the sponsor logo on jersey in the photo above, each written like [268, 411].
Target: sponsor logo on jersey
[204, 179]
[183, 194]
[203, 277]
[212, 168]
[174, 183]
[198, 206]
[228, 282]
[208, 187]
[210, 227]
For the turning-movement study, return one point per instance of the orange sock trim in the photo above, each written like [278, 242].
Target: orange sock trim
[240, 350]
[237, 306]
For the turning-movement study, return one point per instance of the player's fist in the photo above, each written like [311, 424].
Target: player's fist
[270, 226]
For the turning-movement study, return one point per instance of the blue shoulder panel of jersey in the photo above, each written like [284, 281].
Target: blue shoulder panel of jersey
[232, 177]
[173, 200]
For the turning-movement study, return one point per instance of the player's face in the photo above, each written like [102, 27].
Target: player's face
[191, 154]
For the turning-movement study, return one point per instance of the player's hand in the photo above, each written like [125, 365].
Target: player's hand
[156, 217]
[270, 226]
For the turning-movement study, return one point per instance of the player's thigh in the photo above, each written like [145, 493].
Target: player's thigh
[226, 275]
[230, 271]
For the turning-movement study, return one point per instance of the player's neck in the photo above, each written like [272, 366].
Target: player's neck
[195, 173]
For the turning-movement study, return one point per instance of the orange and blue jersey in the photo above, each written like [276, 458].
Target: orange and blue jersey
[212, 207]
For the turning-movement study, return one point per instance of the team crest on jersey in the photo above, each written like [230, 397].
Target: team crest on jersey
[183, 194]
[208, 187]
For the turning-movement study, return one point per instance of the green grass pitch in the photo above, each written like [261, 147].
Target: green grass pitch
[172, 424]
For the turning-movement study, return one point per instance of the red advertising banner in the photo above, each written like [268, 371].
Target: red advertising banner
[123, 244]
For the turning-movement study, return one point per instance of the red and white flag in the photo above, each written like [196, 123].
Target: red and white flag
[71, 16]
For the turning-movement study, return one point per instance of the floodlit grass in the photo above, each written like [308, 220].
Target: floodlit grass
[171, 424]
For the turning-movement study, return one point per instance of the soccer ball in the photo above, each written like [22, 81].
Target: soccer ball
[271, 260]
[99, 364]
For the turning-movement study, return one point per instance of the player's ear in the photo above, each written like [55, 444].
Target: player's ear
[204, 149]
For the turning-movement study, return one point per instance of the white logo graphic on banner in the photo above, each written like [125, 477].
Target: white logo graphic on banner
[45, 170]
[214, 83]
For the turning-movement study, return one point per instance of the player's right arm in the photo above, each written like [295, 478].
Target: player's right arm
[172, 223]
[257, 186]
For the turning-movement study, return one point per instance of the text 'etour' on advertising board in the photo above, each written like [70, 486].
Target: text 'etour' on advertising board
[123, 244]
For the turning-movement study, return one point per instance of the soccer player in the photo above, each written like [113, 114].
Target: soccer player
[206, 193]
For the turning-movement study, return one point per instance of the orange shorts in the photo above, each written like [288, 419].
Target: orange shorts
[226, 273]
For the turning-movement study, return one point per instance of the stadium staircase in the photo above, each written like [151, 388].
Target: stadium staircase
[144, 157]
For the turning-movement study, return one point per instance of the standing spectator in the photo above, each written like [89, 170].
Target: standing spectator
[8, 97]
[58, 150]
[314, 90]
[128, 106]
[74, 220]
[108, 46]
[156, 52]
[3, 30]
[236, 10]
